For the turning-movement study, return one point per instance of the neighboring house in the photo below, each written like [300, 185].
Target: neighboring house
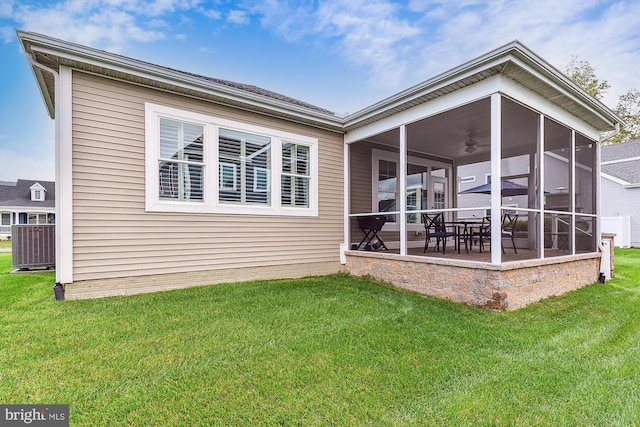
[168, 179]
[620, 206]
[26, 202]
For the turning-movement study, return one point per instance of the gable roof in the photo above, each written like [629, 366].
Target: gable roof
[46, 54]
[622, 161]
[18, 194]
[513, 61]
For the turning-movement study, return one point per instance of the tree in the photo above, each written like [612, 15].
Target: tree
[628, 107]
[584, 75]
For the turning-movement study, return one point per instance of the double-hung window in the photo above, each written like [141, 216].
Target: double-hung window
[181, 161]
[201, 163]
[244, 165]
[296, 175]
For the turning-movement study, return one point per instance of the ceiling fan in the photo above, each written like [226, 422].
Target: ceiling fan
[471, 145]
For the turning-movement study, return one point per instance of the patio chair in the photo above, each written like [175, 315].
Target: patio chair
[435, 227]
[370, 226]
[483, 233]
[509, 229]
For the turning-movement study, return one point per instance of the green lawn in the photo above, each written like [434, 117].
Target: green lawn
[323, 351]
[5, 244]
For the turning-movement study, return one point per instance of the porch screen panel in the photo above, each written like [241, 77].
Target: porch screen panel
[181, 168]
[244, 168]
[296, 174]
[585, 234]
[557, 168]
[387, 188]
[585, 167]
[557, 234]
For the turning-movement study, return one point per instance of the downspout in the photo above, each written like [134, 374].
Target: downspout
[58, 289]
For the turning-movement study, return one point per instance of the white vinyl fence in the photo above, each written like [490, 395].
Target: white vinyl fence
[620, 226]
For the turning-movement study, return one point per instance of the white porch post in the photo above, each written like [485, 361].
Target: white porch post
[540, 195]
[572, 193]
[496, 178]
[598, 189]
[346, 202]
[403, 190]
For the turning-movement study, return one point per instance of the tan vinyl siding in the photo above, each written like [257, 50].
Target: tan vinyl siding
[113, 235]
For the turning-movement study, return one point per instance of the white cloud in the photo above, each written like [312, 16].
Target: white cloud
[605, 36]
[15, 165]
[238, 17]
[107, 24]
[395, 44]
[6, 7]
[369, 34]
[210, 13]
[7, 35]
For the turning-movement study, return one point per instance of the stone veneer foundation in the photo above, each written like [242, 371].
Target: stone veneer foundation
[509, 286]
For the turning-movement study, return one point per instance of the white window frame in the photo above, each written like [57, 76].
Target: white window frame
[210, 202]
[257, 171]
[377, 155]
[222, 166]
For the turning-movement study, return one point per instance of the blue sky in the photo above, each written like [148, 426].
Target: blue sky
[342, 55]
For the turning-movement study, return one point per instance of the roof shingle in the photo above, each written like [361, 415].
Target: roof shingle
[19, 193]
[627, 170]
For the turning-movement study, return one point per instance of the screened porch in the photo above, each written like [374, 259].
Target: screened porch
[543, 205]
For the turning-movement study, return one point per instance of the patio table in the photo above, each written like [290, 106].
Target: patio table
[464, 229]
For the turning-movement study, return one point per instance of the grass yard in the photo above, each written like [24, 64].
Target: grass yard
[334, 350]
[5, 244]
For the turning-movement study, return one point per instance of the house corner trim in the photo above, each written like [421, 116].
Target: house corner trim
[64, 183]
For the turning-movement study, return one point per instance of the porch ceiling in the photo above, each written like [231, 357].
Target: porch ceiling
[444, 135]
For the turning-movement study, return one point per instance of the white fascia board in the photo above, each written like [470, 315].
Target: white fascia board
[37, 186]
[438, 105]
[145, 70]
